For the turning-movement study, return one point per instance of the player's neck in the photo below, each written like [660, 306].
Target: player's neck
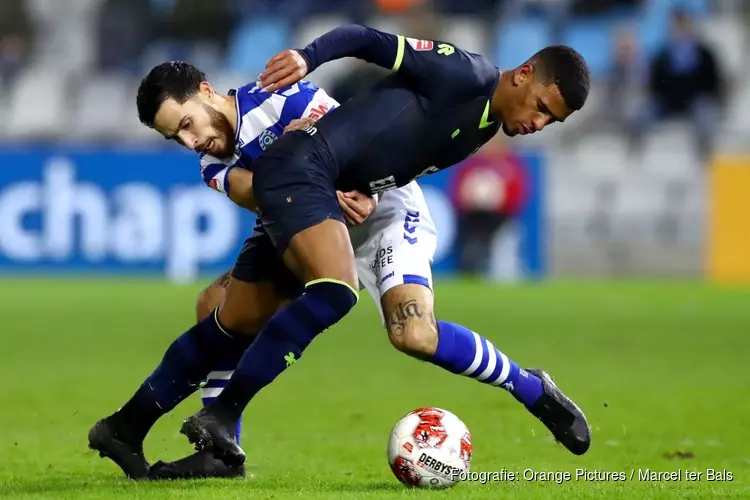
[499, 96]
[229, 108]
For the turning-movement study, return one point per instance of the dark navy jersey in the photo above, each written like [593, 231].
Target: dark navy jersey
[432, 113]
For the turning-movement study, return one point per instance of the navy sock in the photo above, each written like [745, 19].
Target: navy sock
[185, 365]
[464, 352]
[283, 339]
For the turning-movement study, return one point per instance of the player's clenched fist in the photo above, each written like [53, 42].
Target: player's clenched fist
[283, 69]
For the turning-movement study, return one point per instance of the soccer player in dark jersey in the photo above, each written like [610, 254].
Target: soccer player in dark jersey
[440, 105]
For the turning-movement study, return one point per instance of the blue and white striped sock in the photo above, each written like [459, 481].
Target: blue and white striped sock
[210, 390]
[464, 352]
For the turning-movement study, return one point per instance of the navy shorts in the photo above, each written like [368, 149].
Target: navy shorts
[294, 187]
[259, 261]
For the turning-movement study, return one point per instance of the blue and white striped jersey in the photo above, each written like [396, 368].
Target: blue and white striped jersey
[262, 117]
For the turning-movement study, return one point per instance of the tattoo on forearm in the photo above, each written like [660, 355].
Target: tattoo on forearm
[404, 311]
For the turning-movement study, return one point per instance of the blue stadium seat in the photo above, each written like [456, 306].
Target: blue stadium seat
[593, 38]
[254, 42]
[516, 40]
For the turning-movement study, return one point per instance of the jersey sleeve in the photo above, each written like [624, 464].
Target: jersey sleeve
[436, 69]
[214, 173]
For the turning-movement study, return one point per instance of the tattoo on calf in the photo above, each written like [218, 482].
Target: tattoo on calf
[404, 311]
[223, 280]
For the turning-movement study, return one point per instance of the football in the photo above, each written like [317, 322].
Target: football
[429, 448]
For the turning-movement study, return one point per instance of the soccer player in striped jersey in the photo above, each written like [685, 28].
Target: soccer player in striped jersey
[394, 249]
[306, 166]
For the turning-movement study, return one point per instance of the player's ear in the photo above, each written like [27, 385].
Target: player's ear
[206, 90]
[523, 74]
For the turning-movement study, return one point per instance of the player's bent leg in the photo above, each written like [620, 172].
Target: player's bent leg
[247, 306]
[464, 352]
[203, 464]
[192, 356]
[294, 188]
[185, 364]
[329, 294]
[412, 329]
[410, 320]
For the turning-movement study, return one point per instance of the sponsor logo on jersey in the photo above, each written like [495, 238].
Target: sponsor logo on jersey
[318, 111]
[266, 139]
[421, 45]
[386, 278]
[445, 49]
[383, 257]
[382, 185]
[409, 229]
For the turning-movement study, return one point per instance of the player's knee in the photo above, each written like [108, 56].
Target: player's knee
[247, 321]
[204, 305]
[416, 337]
[339, 298]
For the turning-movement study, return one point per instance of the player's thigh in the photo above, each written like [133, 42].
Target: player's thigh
[301, 214]
[212, 296]
[260, 285]
[323, 251]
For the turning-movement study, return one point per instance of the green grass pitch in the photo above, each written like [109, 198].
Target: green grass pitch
[661, 371]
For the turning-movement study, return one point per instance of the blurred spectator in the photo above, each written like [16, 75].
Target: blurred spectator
[557, 11]
[201, 21]
[684, 82]
[15, 37]
[625, 85]
[125, 28]
[479, 8]
[488, 190]
[595, 7]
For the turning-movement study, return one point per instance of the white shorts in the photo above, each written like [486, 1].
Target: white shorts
[396, 245]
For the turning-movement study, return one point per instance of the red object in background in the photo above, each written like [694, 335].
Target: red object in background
[397, 6]
[490, 182]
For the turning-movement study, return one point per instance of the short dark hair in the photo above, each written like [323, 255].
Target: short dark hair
[170, 80]
[563, 66]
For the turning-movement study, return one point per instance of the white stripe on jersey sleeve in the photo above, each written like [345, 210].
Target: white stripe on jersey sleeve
[214, 171]
[319, 105]
[255, 121]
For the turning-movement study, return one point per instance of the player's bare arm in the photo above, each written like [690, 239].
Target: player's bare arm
[240, 182]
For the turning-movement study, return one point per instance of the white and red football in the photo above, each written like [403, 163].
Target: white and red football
[430, 448]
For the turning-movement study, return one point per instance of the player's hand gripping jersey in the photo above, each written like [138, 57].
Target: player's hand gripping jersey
[261, 119]
[431, 114]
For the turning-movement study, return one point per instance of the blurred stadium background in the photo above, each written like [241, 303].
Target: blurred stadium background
[637, 184]
[650, 181]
